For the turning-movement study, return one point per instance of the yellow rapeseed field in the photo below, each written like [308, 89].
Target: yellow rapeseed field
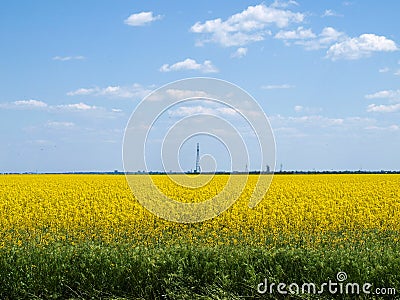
[72, 208]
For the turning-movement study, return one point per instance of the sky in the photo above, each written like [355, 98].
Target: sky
[326, 74]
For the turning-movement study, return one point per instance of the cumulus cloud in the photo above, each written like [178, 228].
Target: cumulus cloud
[245, 27]
[310, 41]
[67, 58]
[82, 91]
[141, 19]
[190, 64]
[178, 94]
[299, 34]
[184, 111]
[84, 109]
[132, 91]
[30, 103]
[44, 108]
[359, 47]
[239, 53]
[384, 108]
[391, 95]
[385, 94]
[24, 104]
[339, 45]
[77, 107]
[257, 22]
[327, 36]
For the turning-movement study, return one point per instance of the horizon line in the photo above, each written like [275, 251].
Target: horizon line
[117, 172]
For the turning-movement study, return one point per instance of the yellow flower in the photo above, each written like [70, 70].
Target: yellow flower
[71, 208]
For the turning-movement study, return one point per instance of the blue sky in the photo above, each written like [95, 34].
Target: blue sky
[326, 73]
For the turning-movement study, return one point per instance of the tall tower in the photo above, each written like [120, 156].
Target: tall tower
[198, 159]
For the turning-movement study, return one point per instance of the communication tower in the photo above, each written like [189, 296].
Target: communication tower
[198, 159]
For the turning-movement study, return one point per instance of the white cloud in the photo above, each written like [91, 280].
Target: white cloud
[327, 37]
[82, 91]
[30, 103]
[80, 107]
[142, 18]
[310, 120]
[397, 73]
[331, 13]
[299, 34]
[312, 110]
[384, 70]
[391, 95]
[284, 4]
[384, 108]
[227, 111]
[340, 46]
[247, 26]
[362, 46]
[77, 107]
[59, 125]
[24, 104]
[178, 94]
[239, 53]
[385, 94]
[191, 110]
[67, 58]
[298, 108]
[190, 64]
[308, 39]
[132, 91]
[184, 111]
[184, 94]
[277, 86]
[393, 127]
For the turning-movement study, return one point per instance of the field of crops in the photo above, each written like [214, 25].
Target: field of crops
[84, 236]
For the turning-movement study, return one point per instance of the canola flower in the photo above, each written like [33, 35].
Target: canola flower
[42, 209]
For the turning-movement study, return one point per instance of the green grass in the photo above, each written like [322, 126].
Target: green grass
[92, 270]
